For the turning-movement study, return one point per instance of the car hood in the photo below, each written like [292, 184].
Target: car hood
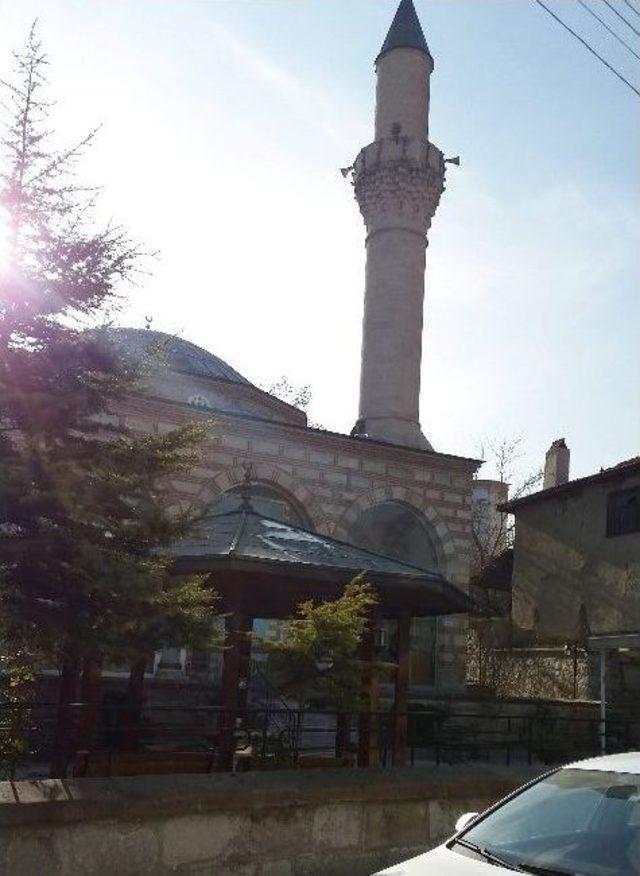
[443, 862]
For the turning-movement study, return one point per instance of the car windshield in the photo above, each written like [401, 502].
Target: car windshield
[582, 822]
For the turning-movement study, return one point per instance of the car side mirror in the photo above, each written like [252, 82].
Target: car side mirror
[465, 820]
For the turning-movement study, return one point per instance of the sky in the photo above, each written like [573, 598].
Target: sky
[224, 125]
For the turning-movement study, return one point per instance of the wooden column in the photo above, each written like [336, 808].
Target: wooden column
[342, 734]
[135, 700]
[90, 689]
[238, 626]
[64, 732]
[400, 704]
[368, 720]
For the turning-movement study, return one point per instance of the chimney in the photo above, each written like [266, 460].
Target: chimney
[556, 465]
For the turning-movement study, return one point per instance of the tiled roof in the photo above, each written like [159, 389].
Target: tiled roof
[245, 537]
[628, 466]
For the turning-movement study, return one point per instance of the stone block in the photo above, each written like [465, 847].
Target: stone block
[294, 451]
[191, 838]
[337, 478]
[32, 854]
[237, 442]
[452, 498]
[351, 462]
[399, 471]
[306, 473]
[358, 482]
[131, 849]
[233, 869]
[442, 477]
[277, 868]
[269, 448]
[402, 823]
[338, 826]
[322, 457]
[269, 832]
[375, 466]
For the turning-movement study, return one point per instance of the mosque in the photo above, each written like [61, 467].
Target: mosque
[383, 488]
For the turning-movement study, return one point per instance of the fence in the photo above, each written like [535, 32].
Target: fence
[271, 738]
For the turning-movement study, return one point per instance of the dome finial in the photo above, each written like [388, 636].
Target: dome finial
[405, 31]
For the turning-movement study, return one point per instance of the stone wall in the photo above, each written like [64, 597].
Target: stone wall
[328, 823]
[332, 479]
[569, 578]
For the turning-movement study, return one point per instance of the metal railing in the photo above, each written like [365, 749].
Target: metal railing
[276, 737]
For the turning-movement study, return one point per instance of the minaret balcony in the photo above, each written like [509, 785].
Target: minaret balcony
[398, 181]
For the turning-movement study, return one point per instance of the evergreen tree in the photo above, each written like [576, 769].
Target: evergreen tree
[85, 508]
[320, 650]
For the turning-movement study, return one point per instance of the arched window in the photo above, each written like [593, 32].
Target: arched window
[266, 500]
[397, 531]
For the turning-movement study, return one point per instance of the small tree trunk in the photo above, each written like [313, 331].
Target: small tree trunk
[63, 735]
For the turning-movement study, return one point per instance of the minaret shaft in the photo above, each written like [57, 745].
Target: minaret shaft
[402, 93]
[398, 180]
[392, 333]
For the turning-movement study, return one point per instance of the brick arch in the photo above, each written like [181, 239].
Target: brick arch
[269, 475]
[415, 502]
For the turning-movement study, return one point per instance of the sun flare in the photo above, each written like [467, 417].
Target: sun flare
[4, 238]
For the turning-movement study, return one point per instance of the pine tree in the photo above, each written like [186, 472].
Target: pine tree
[85, 507]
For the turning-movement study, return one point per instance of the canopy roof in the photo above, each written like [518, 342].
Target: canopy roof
[260, 548]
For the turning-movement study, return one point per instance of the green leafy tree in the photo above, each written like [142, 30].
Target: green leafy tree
[319, 653]
[86, 511]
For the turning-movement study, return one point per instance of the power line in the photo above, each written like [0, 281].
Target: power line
[588, 47]
[610, 29]
[631, 6]
[621, 16]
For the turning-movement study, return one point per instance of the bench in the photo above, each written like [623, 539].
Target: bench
[99, 764]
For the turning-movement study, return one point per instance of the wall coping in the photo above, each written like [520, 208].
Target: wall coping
[45, 801]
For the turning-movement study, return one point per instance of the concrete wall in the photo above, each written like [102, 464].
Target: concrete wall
[330, 823]
[564, 562]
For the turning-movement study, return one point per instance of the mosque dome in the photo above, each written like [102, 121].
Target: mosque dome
[171, 352]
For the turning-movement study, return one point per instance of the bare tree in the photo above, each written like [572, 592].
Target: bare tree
[492, 531]
[300, 396]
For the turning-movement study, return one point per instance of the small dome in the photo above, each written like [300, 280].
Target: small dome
[171, 352]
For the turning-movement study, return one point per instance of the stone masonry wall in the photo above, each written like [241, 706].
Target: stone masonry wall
[328, 823]
[333, 479]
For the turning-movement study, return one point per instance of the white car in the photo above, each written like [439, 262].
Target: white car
[580, 820]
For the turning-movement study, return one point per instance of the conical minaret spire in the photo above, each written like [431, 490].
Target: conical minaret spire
[398, 180]
[405, 31]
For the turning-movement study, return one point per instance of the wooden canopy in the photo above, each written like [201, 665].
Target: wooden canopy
[280, 564]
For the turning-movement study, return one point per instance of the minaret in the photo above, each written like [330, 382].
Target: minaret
[398, 180]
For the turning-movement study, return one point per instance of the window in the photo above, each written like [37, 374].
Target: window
[200, 401]
[573, 821]
[265, 500]
[623, 512]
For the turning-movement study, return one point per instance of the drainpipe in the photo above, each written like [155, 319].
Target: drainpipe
[603, 700]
